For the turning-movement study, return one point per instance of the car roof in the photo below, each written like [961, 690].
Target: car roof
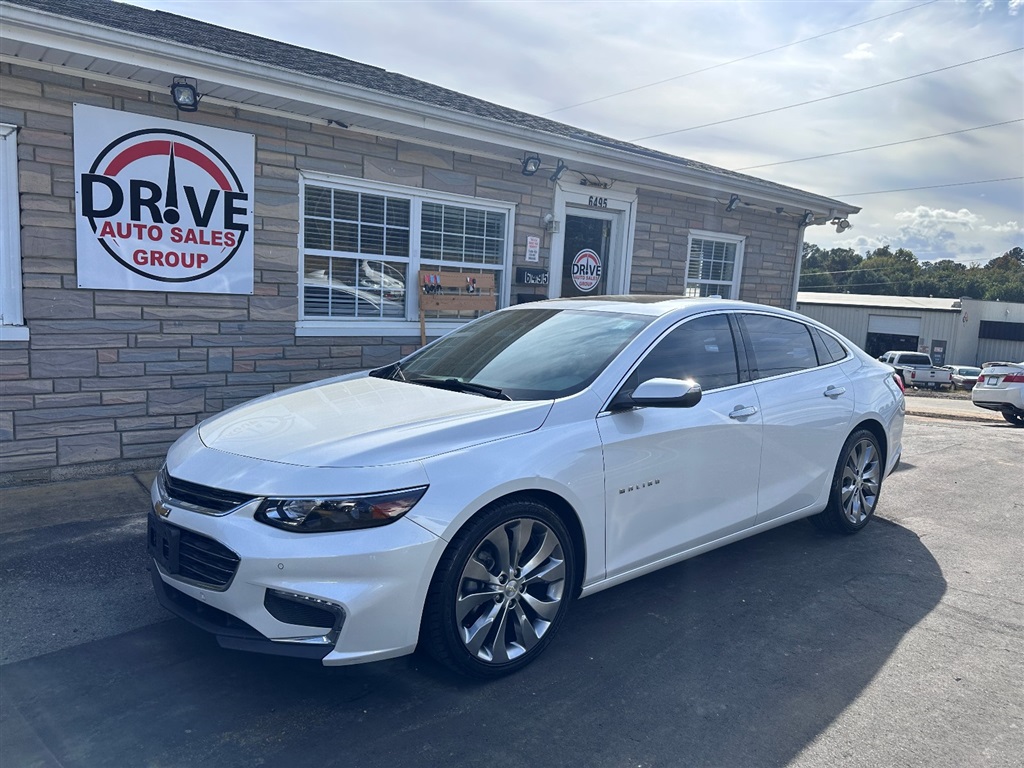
[653, 305]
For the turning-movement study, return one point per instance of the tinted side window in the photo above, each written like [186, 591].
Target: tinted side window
[778, 346]
[701, 349]
[829, 349]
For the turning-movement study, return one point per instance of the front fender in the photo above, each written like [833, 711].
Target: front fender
[566, 462]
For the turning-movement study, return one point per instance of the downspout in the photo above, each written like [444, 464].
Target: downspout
[799, 264]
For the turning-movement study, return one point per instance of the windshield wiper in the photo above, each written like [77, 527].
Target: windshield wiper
[393, 371]
[462, 386]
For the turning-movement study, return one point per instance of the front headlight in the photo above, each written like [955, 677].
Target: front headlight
[338, 513]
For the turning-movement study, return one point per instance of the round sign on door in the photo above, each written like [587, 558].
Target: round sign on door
[586, 270]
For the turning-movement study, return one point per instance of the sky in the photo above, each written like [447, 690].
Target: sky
[658, 73]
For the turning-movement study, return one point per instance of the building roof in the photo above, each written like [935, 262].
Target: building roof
[887, 302]
[272, 55]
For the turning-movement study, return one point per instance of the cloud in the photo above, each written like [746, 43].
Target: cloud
[894, 37]
[862, 51]
[937, 233]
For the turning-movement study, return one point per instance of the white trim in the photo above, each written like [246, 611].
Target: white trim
[403, 328]
[799, 267]
[337, 326]
[12, 319]
[722, 237]
[621, 211]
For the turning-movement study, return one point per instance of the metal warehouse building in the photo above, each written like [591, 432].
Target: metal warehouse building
[953, 331]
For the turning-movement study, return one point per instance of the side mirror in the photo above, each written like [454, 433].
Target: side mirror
[660, 393]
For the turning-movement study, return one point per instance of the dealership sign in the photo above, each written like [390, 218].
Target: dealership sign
[586, 270]
[162, 205]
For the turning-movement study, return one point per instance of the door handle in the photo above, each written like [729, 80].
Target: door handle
[834, 392]
[742, 411]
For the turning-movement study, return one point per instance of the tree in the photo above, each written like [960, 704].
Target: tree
[899, 273]
[1005, 276]
[885, 272]
[826, 270]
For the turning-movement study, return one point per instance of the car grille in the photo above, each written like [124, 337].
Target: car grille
[202, 496]
[192, 556]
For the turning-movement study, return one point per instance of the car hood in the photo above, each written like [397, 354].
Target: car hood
[366, 422]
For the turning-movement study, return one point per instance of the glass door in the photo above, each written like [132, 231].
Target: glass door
[586, 251]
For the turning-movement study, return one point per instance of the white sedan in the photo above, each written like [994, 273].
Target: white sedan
[1000, 388]
[460, 499]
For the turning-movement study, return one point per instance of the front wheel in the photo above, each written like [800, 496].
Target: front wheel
[855, 486]
[501, 590]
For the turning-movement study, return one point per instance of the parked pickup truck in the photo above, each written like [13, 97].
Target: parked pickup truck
[917, 370]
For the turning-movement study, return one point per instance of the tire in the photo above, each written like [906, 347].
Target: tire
[501, 590]
[855, 486]
[1014, 417]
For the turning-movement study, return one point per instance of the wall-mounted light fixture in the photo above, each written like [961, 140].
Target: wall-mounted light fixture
[807, 219]
[531, 164]
[550, 223]
[560, 168]
[841, 225]
[734, 200]
[185, 93]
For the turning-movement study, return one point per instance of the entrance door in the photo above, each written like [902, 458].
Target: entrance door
[585, 255]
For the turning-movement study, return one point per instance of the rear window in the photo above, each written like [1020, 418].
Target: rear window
[778, 345]
[914, 360]
[829, 349]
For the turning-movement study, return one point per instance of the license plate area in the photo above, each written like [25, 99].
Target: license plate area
[163, 543]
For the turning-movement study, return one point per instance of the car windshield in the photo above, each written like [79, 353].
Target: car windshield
[523, 354]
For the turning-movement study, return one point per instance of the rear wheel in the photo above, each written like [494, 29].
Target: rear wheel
[1014, 417]
[501, 590]
[855, 486]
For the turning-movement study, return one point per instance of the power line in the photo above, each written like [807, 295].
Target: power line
[934, 186]
[879, 146]
[735, 61]
[826, 98]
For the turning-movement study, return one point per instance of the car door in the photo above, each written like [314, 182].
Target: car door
[676, 478]
[806, 411]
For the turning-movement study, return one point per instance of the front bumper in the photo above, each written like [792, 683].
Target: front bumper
[342, 598]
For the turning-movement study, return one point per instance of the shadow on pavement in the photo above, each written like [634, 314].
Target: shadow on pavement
[739, 657]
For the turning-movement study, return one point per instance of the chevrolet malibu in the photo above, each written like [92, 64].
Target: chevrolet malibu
[458, 500]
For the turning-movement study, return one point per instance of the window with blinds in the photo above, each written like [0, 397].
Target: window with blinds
[713, 265]
[363, 247]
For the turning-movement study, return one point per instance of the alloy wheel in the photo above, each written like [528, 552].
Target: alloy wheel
[510, 590]
[862, 477]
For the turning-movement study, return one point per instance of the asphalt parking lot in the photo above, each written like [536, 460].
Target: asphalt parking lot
[901, 646]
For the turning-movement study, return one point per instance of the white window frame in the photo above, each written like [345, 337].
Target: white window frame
[12, 319]
[336, 326]
[718, 237]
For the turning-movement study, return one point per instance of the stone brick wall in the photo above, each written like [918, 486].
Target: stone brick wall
[663, 225]
[108, 379]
